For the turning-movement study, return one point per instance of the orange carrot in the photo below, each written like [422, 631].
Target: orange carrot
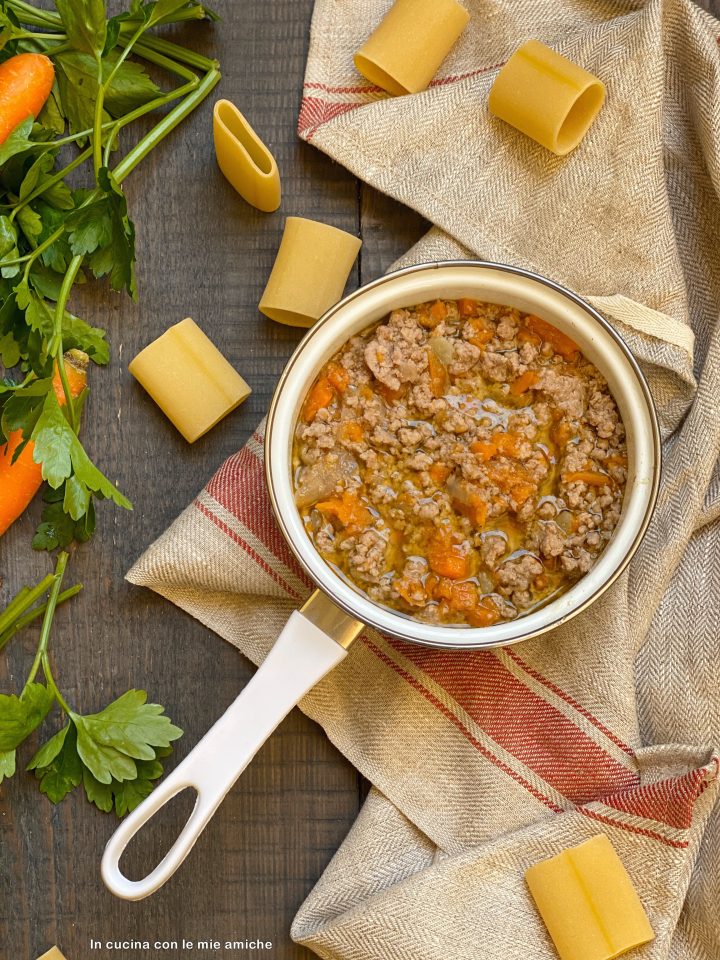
[524, 382]
[447, 559]
[439, 473]
[25, 84]
[505, 444]
[485, 449]
[438, 375]
[338, 377]
[591, 477]
[352, 430]
[559, 341]
[321, 394]
[388, 394]
[483, 615]
[480, 332]
[348, 509]
[467, 307]
[561, 433]
[21, 480]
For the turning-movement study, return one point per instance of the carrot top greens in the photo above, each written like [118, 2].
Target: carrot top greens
[64, 220]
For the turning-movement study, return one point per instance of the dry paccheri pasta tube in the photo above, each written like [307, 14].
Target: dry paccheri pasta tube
[244, 159]
[588, 902]
[310, 272]
[52, 954]
[547, 97]
[405, 51]
[189, 379]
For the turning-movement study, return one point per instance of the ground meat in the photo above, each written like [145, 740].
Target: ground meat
[367, 556]
[395, 354]
[460, 463]
[515, 578]
[567, 393]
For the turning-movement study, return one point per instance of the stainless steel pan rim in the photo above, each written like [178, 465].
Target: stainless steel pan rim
[393, 622]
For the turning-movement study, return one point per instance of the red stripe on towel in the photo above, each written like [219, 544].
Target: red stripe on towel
[241, 542]
[239, 486]
[568, 699]
[524, 724]
[431, 698]
[670, 801]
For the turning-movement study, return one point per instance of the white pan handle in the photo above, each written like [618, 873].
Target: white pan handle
[302, 655]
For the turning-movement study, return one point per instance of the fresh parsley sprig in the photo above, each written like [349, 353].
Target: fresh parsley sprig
[55, 231]
[116, 754]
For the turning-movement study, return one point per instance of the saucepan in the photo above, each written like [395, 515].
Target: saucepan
[317, 637]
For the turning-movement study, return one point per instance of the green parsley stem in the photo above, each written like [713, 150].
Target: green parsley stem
[144, 49]
[24, 599]
[51, 181]
[179, 54]
[166, 125]
[56, 579]
[34, 15]
[7, 635]
[68, 281]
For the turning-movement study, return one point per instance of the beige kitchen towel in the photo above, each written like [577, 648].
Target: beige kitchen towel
[485, 762]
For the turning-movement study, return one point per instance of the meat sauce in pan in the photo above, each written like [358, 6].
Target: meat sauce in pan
[461, 462]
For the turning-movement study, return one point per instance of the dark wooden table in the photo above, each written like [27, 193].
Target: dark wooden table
[202, 252]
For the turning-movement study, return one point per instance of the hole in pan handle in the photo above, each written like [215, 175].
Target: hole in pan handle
[312, 642]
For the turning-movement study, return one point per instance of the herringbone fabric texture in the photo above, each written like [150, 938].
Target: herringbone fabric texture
[486, 762]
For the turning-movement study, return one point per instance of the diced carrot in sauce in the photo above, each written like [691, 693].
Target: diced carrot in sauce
[467, 307]
[412, 591]
[561, 433]
[321, 394]
[524, 382]
[448, 559]
[463, 596]
[438, 375]
[485, 449]
[338, 377]
[438, 311]
[559, 341]
[348, 509]
[352, 430]
[507, 444]
[527, 336]
[483, 615]
[520, 492]
[475, 510]
[480, 334]
[388, 394]
[439, 472]
[591, 477]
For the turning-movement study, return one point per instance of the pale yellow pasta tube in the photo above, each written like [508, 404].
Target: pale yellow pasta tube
[547, 97]
[244, 159]
[189, 379]
[52, 954]
[310, 271]
[588, 902]
[405, 51]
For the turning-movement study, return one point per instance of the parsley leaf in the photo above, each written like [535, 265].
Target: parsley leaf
[18, 141]
[116, 258]
[127, 730]
[85, 24]
[57, 765]
[7, 764]
[61, 454]
[19, 716]
[123, 795]
[58, 529]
